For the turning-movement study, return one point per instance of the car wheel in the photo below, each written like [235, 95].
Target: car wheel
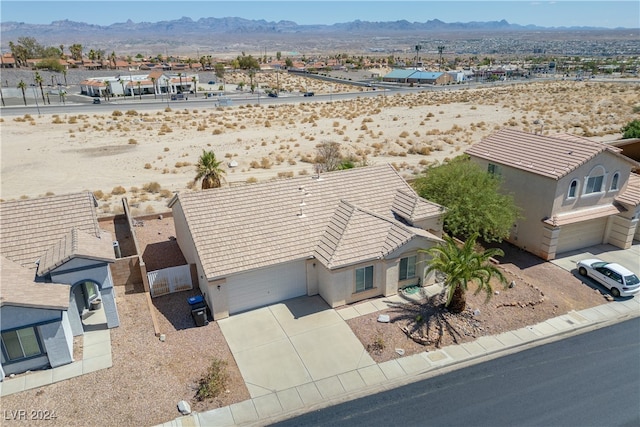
[582, 271]
[615, 292]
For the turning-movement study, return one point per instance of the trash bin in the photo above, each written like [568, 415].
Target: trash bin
[96, 304]
[197, 299]
[198, 310]
[200, 315]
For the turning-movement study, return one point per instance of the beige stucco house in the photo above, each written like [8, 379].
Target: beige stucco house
[573, 192]
[347, 236]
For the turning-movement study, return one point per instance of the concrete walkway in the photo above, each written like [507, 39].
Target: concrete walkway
[270, 407]
[96, 355]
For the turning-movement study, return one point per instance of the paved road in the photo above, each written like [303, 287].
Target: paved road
[591, 379]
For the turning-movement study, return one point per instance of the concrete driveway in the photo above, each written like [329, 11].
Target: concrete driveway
[292, 343]
[630, 258]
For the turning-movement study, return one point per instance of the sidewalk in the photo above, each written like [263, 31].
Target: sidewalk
[394, 373]
[96, 355]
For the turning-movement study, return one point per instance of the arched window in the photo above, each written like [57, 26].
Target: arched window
[614, 181]
[594, 181]
[573, 189]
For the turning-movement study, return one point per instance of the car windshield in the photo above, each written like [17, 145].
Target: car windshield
[599, 264]
[631, 280]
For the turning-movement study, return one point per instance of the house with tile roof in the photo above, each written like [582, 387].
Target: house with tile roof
[34, 318]
[346, 235]
[57, 241]
[573, 192]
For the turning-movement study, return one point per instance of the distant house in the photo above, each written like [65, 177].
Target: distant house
[347, 236]
[54, 241]
[413, 76]
[573, 192]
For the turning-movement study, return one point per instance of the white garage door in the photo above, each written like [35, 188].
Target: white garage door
[581, 235]
[266, 286]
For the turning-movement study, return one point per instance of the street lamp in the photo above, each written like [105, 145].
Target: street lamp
[35, 96]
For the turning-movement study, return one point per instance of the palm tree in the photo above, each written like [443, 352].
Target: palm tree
[194, 80]
[209, 170]
[38, 80]
[180, 76]
[153, 82]
[139, 91]
[461, 265]
[22, 86]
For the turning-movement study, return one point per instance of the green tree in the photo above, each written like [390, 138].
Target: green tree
[52, 64]
[631, 130]
[462, 265]
[23, 86]
[209, 170]
[472, 197]
[76, 51]
[219, 68]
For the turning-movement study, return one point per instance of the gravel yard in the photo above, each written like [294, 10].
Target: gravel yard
[542, 291]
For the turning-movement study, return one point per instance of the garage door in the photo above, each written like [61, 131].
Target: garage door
[266, 286]
[581, 235]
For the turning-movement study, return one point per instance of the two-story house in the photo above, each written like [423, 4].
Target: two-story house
[573, 192]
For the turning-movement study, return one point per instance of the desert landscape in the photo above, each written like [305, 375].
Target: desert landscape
[147, 155]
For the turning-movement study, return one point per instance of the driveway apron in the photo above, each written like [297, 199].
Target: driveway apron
[292, 343]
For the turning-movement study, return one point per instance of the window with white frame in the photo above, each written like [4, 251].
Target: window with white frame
[407, 268]
[614, 181]
[594, 181]
[573, 189]
[21, 343]
[364, 278]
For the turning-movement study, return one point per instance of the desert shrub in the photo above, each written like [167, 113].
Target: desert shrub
[132, 113]
[151, 187]
[288, 174]
[116, 113]
[147, 165]
[118, 190]
[98, 194]
[252, 180]
[132, 141]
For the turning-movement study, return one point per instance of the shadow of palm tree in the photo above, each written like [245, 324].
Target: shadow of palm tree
[427, 322]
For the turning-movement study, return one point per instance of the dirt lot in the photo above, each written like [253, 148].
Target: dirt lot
[542, 291]
[149, 377]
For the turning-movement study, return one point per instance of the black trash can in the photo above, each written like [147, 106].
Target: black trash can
[198, 310]
[199, 315]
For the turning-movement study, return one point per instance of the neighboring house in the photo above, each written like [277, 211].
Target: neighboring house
[347, 236]
[57, 240]
[35, 326]
[573, 192]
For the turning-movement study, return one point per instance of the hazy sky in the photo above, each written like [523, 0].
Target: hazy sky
[609, 14]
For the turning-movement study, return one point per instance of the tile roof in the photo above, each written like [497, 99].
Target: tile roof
[355, 235]
[17, 287]
[77, 244]
[412, 207]
[243, 228]
[28, 227]
[583, 215]
[549, 156]
[631, 194]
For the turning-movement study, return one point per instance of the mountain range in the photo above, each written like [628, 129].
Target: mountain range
[235, 25]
